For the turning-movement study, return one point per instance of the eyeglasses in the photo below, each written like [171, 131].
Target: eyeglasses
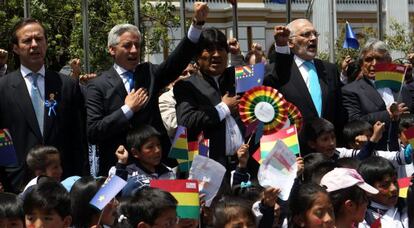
[369, 59]
[308, 34]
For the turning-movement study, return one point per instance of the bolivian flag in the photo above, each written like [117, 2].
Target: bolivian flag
[404, 184]
[185, 192]
[389, 75]
[288, 135]
[409, 134]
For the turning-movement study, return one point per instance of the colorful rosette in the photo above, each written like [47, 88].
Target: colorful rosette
[265, 104]
[294, 115]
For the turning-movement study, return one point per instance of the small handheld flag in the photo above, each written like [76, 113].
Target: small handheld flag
[7, 152]
[404, 184]
[248, 77]
[350, 40]
[409, 135]
[185, 192]
[112, 186]
[389, 75]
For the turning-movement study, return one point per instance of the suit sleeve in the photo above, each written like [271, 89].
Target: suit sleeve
[177, 61]
[189, 113]
[351, 103]
[100, 126]
[280, 67]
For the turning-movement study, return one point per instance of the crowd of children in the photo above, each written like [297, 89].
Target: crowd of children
[354, 186]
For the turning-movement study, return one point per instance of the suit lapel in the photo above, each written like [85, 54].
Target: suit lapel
[53, 86]
[320, 69]
[24, 102]
[115, 80]
[372, 93]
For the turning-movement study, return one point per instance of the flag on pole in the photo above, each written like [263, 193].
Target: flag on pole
[404, 184]
[110, 188]
[278, 1]
[350, 40]
[248, 77]
[289, 137]
[7, 151]
[389, 75]
[185, 192]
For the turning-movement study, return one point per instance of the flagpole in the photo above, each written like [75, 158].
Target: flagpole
[289, 11]
[235, 21]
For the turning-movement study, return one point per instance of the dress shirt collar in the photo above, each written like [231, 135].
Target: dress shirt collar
[299, 61]
[120, 70]
[26, 71]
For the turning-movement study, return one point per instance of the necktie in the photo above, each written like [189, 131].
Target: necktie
[37, 101]
[314, 87]
[130, 79]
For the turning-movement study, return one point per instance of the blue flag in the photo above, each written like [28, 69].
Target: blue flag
[350, 40]
[278, 1]
[112, 186]
[7, 152]
[248, 77]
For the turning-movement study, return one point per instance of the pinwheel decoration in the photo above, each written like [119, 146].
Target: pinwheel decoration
[265, 104]
[294, 115]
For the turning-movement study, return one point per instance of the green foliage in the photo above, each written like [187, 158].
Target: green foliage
[401, 39]
[63, 22]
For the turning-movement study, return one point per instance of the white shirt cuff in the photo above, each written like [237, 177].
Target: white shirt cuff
[282, 49]
[194, 34]
[343, 78]
[222, 110]
[127, 111]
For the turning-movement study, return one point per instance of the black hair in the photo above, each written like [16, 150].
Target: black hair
[301, 200]
[20, 24]
[11, 206]
[353, 193]
[406, 121]
[47, 196]
[82, 191]
[228, 208]
[351, 163]
[250, 193]
[316, 166]
[145, 206]
[374, 169]
[316, 127]
[354, 128]
[213, 39]
[37, 158]
[137, 137]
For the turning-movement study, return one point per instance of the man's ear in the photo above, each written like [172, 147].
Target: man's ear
[111, 50]
[16, 49]
[290, 43]
[67, 221]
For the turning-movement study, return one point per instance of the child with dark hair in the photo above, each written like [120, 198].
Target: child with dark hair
[47, 205]
[348, 193]
[233, 212]
[11, 211]
[351, 163]
[385, 206]
[149, 207]
[144, 152]
[406, 121]
[44, 160]
[310, 206]
[83, 213]
[316, 166]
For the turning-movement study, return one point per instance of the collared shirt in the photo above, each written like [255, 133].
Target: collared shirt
[121, 72]
[299, 62]
[385, 93]
[234, 137]
[29, 83]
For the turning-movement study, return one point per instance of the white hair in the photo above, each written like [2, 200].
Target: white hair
[375, 45]
[118, 30]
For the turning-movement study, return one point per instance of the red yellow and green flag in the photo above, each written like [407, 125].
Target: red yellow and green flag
[289, 136]
[389, 75]
[409, 135]
[185, 192]
[404, 184]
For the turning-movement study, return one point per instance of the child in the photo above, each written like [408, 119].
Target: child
[385, 206]
[149, 207]
[44, 160]
[47, 205]
[347, 191]
[406, 121]
[83, 213]
[233, 212]
[11, 211]
[310, 206]
[144, 152]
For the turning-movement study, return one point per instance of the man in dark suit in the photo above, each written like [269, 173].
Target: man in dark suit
[40, 106]
[206, 101]
[126, 95]
[311, 84]
[364, 102]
